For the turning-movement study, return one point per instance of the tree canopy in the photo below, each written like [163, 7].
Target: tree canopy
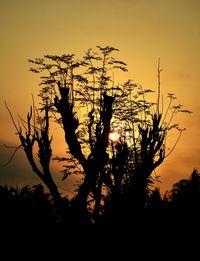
[117, 142]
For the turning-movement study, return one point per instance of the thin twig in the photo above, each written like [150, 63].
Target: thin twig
[16, 149]
[11, 117]
[175, 144]
[22, 120]
[158, 98]
[34, 117]
[166, 113]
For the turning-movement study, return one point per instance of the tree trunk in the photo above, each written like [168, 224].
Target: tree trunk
[58, 201]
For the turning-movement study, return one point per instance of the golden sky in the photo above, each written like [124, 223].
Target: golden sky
[143, 30]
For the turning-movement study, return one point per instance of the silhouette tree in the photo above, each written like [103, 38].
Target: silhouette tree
[66, 92]
[36, 137]
[121, 168]
[145, 127]
[185, 195]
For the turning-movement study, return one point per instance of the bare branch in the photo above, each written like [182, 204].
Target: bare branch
[159, 90]
[34, 116]
[11, 117]
[23, 121]
[12, 156]
[180, 133]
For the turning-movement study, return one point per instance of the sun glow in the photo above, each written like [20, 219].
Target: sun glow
[114, 136]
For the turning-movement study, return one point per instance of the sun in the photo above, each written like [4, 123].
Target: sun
[114, 136]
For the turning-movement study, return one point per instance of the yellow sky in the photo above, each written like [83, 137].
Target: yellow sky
[143, 30]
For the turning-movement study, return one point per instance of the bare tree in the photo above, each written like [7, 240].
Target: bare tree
[143, 128]
[119, 167]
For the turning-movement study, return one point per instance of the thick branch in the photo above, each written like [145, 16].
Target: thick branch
[27, 145]
[70, 124]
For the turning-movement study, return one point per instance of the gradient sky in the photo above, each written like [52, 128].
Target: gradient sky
[143, 30]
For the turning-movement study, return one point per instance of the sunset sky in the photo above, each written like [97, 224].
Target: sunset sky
[143, 30]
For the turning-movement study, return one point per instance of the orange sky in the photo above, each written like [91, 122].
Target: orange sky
[143, 30]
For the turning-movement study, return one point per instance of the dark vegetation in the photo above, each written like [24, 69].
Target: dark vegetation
[32, 206]
[118, 185]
